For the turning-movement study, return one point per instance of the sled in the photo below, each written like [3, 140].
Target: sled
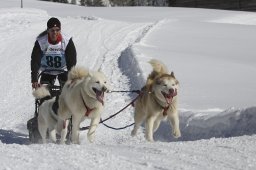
[32, 124]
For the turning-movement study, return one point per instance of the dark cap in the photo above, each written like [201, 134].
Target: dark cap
[53, 22]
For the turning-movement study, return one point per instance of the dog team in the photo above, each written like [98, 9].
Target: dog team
[82, 97]
[83, 91]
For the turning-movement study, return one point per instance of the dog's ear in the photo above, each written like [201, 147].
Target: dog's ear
[158, 81]
[177, 82]
[172, 74]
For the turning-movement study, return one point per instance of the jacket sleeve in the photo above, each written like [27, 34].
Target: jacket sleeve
[35, 61]
[70, 54]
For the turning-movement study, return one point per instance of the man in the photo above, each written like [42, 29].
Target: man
[52, 51]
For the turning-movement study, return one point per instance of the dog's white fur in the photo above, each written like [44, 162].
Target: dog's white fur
[47, 119]
[84, 90]
[158, 93]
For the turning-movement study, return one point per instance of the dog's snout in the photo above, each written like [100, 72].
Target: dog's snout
[171, 91]
[104, 88]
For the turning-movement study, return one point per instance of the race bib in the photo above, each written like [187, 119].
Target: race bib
[54, 58]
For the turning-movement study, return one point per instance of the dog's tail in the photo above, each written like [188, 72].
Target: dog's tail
[41, 92]
[158, 69]
[158, 66]
[77, 73]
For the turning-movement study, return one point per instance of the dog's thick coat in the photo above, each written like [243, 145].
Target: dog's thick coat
[158, 100]
[47, 119]
[83, 97]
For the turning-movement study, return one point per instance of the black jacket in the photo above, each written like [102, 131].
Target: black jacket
[37, 53]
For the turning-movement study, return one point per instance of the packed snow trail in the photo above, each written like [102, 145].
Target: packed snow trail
[109, 45]
[225, 153]
[98, 48]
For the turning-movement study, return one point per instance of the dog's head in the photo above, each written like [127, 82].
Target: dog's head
[96, 86]
[165, 87]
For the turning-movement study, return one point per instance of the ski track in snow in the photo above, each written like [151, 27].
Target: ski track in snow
[102, 38]
[222, 154]
[108, 45]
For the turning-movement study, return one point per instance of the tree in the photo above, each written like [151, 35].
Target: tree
[61, 1]
[105, 3]
[171, 2]
[89, 2]
[97, 3]
[82, 2]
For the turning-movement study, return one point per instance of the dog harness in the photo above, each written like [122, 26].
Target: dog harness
[165, 108]
[141, 94]
[88, 110]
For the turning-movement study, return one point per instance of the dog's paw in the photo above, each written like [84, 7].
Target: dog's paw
[133, 133]
[91, 138]
[176, 133]
[75, 142]
[150, 139]
[61, 142]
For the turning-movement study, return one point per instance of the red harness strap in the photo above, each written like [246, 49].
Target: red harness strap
[64, 124]
[88, 110]
[165, 110]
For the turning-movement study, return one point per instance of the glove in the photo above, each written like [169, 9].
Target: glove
[35, 85]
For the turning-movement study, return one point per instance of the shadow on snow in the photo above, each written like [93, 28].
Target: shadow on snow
[11, 137]
[230, 123]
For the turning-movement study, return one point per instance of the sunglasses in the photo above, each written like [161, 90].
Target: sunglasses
[54, 30]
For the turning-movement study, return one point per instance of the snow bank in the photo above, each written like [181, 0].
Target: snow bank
[194, 125]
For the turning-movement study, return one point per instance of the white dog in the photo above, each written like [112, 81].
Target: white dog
[83, 97]
[47, 119]
[157, 101]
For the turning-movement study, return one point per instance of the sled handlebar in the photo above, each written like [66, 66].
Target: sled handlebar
[50, 70]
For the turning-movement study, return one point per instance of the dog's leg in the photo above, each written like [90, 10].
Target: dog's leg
[63, 122]
[138, 119]
[52, 134]
[76, 119]
[42, 128]
[93, 126]
[149, 128]
[174, 121]
[64, 132]
[156, 124]
[63, 110]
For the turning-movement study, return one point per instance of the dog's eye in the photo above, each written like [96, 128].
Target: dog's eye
[105, 82]
[165, 85]
[97, 82]
[173, 84]
[158, 82]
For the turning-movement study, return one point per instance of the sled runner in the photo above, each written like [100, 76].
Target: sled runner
[32, 124]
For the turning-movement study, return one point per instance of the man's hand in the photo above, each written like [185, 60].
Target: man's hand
[35, 85]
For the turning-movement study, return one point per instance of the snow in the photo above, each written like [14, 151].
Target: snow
[210, 51]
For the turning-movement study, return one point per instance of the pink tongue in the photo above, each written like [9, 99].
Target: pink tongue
[100, 97]
[168, 99]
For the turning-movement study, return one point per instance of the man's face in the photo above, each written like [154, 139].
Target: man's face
[54, 33]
